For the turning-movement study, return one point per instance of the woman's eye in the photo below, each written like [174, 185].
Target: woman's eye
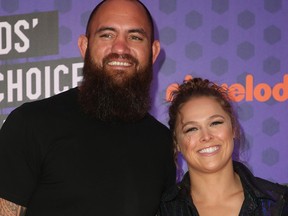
[190, 129]
[217, 123]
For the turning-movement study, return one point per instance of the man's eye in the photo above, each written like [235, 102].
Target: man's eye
[133, 37]
[106, 36]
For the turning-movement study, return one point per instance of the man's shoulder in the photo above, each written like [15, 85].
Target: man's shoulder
[54, 113]
[151, 119]
[57, 101]
[57, 105]
[62, 97]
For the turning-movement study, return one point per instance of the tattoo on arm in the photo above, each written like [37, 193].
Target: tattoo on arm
[11, 209]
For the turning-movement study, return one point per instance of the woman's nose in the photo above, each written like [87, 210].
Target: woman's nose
[206, 135]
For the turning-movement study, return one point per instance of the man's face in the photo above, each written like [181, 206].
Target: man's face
[119, 39]
[126, 99]
[118, 57]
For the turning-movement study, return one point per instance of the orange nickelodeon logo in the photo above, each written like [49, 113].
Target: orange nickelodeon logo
[261, 92]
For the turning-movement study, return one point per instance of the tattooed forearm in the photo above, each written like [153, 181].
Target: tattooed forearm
[11, 209]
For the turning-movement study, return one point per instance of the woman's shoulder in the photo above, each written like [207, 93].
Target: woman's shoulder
[273, 196]
[258, 184]
[276, 190]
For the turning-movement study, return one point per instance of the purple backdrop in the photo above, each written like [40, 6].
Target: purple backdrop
[222, 40]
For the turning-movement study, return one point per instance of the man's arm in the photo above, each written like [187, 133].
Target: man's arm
[11, 209]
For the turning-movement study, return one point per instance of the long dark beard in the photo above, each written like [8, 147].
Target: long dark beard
[103, 98]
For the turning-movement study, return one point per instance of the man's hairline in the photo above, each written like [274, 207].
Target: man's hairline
[147, 13]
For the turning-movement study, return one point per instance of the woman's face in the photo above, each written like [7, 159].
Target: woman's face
[204, 135]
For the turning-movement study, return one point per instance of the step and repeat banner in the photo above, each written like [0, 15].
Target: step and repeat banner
[241, 44]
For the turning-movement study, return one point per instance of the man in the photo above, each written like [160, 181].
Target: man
[92, 150]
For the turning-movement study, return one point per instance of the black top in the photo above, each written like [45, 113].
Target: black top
[262, 197]
[54, 160]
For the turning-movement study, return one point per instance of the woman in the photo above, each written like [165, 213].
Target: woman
[205, 128]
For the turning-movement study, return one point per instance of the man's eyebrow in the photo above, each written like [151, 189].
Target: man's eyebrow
[138, 30]
[106, 28]
[134, 30]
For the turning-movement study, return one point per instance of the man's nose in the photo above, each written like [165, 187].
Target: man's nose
[120, 45]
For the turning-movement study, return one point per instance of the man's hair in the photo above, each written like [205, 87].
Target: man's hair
[148, 14]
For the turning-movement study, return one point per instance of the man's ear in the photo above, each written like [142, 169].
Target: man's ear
[82, 44]
[155, 50]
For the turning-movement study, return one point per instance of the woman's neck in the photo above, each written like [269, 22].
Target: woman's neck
[214, 186]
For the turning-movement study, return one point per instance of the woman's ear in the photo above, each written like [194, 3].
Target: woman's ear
[82, 44]
[235, 133]
[178, 147]
[176, 143]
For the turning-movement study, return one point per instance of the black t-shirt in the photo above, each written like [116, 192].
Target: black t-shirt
[56, 161]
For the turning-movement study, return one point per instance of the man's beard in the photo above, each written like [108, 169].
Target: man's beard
[107, 99]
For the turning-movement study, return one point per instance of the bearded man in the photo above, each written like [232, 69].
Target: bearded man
[94, 149]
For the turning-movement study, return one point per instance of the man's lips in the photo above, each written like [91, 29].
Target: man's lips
[119, 63]
[124, 60]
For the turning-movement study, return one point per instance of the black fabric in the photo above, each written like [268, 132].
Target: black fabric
[262, 197]
[56, 161]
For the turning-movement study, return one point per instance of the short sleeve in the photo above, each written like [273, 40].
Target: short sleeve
[18, 159]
